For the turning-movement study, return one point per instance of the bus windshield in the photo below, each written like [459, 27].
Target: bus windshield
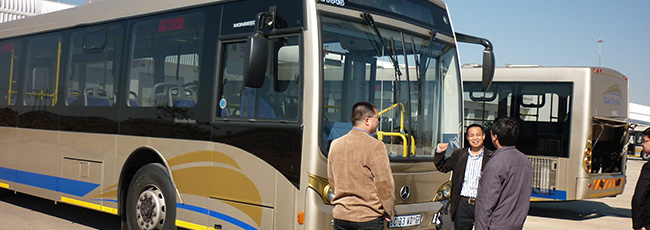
[418, 96]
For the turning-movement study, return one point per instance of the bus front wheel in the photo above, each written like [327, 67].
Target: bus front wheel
[644, 155]
[151, 203]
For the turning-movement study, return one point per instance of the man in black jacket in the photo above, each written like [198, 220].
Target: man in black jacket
[467, 164]
[641, 197]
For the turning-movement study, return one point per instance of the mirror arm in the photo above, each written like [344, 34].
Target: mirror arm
[488, 57]
[460, 37]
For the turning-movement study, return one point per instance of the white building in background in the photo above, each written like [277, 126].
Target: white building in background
[16, 9]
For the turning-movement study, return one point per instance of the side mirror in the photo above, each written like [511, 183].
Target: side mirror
[488, 69]
[256, 60]
[488, 57]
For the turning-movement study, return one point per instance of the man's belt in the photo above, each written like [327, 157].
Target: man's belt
[470, 200]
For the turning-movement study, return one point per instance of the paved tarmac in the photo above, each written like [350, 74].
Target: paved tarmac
[19, 211]
[600, 214]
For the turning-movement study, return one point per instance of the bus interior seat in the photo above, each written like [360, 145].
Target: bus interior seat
[161, 94]
[96, 97]
[173, 95]
[290, 105]
[72, 97]
[338, 129]
[133, 99]
[255, 103]
[183, 97]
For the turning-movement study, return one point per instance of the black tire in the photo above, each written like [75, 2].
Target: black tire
[644, 155]
[151, 201]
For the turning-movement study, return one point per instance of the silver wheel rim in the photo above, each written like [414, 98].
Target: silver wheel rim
[150, 209]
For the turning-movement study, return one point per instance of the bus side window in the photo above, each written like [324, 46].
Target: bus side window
[92, 77]
[277, 99]
[9, 63]
[41, 71]
[164, 69]
[287, 79]
[483, 107]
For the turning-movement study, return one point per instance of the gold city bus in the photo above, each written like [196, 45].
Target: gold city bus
[211, 114]
[573, 124]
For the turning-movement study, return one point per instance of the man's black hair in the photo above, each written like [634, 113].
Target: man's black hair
[646, 132]
[475, 125]
[361, 110]
[507, 130]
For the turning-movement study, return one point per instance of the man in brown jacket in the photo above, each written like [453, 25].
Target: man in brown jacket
[360, 175]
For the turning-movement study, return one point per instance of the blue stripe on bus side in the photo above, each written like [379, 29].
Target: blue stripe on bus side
[81, 188]
[218, 215]
[105, 200]
[67, 186]
[559, 195]
[7, 174]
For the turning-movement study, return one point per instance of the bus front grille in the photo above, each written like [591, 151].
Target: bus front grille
[544, 172]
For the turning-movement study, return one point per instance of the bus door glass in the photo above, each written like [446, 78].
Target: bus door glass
[543, 110]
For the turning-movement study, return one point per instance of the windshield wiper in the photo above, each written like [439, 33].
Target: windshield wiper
[393, 57]
[428, 52]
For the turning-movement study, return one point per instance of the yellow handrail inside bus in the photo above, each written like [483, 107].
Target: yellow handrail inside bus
[381, 134]
[11, 77]
[42, 94]
[401, 119]
[58, 70]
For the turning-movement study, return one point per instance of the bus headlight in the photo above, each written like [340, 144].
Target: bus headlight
[330, 193]
[444, 192]
[322, 187]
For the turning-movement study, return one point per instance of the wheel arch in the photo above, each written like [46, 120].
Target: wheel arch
[136, 160]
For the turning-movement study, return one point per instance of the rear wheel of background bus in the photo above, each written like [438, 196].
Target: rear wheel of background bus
[644, 155]
[151, 203]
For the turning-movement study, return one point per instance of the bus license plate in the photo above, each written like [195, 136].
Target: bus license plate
[405, 221]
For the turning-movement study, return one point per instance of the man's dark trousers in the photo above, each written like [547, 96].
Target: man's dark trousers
[376, 224]
[464, 218]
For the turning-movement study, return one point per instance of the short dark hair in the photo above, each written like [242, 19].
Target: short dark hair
[507, 130]
[646, 132]
[475, 125]
[361, 110]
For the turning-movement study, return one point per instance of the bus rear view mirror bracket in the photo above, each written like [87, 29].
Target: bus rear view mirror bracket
[257, 46]
[488, 57]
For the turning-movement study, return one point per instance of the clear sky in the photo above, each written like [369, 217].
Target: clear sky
[559, 33]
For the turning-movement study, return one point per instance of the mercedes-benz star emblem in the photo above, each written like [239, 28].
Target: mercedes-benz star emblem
[405, 192]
